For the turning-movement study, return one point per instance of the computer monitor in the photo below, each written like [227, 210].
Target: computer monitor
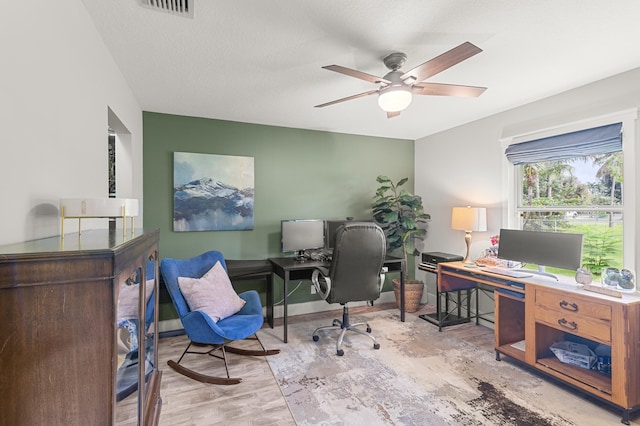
[558, 249]
[331, 227]
[299, 235]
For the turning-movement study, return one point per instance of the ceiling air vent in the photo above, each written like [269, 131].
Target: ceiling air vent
[174, 7]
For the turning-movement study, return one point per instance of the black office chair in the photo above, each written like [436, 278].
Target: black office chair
[355, 274]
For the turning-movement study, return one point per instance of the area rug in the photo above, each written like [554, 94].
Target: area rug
[419, 376]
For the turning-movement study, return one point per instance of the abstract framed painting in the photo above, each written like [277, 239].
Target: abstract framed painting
[212, 192]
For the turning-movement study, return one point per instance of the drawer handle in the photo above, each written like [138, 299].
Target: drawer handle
[569, 306]
[566, 324]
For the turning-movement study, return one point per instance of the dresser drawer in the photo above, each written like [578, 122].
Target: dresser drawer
[580, 325]
[574, 314]
[571, 303]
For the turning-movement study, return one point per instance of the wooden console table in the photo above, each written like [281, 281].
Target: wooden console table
[533, 313]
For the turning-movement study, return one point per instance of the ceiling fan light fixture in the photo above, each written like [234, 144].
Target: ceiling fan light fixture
[394, 98]
[397, 87]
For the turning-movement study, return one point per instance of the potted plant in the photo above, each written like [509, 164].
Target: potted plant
[399, 214]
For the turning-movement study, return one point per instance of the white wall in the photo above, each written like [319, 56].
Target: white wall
[463, 166]
[57, 82]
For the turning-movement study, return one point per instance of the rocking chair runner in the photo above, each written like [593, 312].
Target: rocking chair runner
[201, 329]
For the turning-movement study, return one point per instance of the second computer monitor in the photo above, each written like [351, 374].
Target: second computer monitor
[330, 227]
[557, 249]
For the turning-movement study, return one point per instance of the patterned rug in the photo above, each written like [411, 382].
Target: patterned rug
[418, 377]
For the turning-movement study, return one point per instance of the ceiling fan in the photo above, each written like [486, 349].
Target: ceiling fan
[397, 87]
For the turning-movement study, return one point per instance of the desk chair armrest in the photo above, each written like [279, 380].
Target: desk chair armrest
[321, 281]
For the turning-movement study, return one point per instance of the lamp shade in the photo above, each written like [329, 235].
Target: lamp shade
[394, 98]
[469, 218]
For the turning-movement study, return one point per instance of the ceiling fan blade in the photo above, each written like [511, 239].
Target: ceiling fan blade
[357, 74]
[439, 89]
[442, 62]
[393, 114]
[348, 98]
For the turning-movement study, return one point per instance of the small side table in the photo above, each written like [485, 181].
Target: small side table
[449, 302]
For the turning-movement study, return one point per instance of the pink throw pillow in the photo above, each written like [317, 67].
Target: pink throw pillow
[211, 294]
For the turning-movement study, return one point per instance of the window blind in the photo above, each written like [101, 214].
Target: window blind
[597, 140]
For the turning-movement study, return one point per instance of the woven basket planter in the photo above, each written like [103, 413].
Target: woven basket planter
[412, 294]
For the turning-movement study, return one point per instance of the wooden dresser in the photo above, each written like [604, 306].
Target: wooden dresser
[78, 321]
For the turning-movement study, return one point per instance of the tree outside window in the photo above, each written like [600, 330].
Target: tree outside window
[581, 195]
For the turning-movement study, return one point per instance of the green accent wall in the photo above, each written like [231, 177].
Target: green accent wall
[299, 174]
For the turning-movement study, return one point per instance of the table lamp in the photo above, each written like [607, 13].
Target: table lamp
[469, 219]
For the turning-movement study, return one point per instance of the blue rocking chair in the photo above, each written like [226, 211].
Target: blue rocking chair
[199, 327]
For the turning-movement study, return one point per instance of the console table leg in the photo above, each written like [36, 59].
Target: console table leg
[625, 416]
[497, 355]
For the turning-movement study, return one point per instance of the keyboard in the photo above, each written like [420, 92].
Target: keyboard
[507, 272]
[319, 255]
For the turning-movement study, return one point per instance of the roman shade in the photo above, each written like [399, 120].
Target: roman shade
[597, 140]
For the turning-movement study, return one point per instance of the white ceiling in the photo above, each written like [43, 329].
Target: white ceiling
[260, 61]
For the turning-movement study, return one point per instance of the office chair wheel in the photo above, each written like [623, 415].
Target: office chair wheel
[316, 338]
[368, 329]
[376, 346]
[336, 322]
[340, 352]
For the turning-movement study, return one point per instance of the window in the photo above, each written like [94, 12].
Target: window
[581, 195]
[574, 180]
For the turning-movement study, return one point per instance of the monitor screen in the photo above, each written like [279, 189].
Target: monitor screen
[302, 234]
[557, 249]
[330, 231]
[331, 227]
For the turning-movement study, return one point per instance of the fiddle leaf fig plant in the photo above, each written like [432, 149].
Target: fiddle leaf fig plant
[399, 213]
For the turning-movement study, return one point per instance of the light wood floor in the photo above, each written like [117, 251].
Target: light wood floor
[257, 400]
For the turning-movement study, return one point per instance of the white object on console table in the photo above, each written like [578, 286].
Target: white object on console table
[79, 208]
